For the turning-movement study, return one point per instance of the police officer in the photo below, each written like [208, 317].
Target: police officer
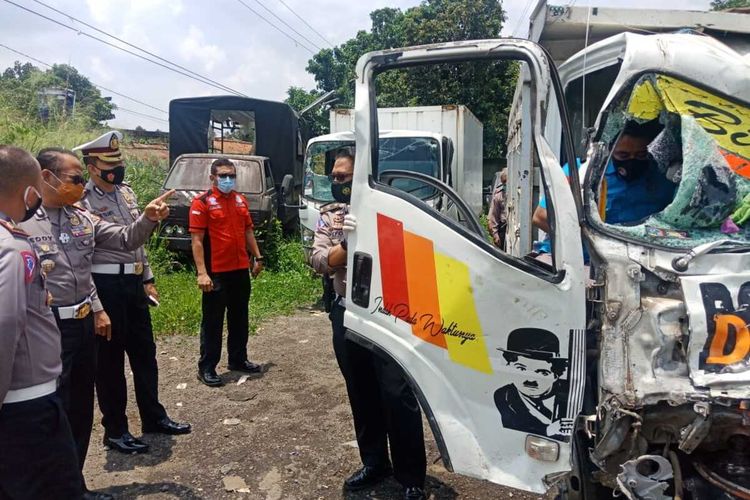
[124, 282]
[497, 219]
[383, 405]
[38, 457]
[63, 236]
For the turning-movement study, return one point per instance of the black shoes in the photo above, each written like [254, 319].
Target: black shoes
[126, 444]
[94, 495]
[414, 493]
[366, 477]
[210, 378]
[167, 426]
[246, 366]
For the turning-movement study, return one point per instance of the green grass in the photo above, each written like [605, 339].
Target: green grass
[274, 293]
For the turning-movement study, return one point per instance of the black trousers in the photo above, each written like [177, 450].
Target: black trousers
[384, 408]
[38, 457]
[76, 388]
[125, 302]
[231, 294]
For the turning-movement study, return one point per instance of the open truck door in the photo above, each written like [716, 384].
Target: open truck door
[492, 342]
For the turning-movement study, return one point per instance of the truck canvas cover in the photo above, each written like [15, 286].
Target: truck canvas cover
[277, 131]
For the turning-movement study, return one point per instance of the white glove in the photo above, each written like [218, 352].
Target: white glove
[350, 222]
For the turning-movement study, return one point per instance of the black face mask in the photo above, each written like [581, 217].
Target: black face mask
[342, 192]
[30, 210]
[113, 176]
[630, 170]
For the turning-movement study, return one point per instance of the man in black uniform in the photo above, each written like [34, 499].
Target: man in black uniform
[384, 407]
[124, 282]
[37, 453]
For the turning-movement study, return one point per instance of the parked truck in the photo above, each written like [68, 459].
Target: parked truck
[444, 142]
[263, 137]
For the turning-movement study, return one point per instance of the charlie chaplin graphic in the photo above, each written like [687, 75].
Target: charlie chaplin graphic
[536, 402]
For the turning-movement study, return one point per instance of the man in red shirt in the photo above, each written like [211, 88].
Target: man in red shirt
[222, 235]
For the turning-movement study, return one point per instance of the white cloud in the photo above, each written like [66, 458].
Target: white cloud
[99, 72]
[195, 47]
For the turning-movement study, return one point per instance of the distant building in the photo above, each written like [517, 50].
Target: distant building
[56, 102]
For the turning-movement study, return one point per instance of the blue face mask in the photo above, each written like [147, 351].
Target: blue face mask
[225, 184]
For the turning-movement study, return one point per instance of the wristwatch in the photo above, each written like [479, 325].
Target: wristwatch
[343, 245]
[258, 259]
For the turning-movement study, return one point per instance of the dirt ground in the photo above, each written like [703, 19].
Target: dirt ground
[284, 435]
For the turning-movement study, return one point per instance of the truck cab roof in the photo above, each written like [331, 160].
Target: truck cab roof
[384, 134]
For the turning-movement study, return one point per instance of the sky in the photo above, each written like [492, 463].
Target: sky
[223, 40]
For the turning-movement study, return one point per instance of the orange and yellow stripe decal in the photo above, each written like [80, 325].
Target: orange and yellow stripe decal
[432, 292]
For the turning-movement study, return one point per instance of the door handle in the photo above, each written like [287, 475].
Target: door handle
[361, 279]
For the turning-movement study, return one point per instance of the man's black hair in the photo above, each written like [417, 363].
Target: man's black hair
[51, 158]
[222, 162]
[346, 153]
[17, 166]
[557, 365]
[647, 130]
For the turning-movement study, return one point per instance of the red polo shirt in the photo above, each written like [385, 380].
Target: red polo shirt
[224, 218]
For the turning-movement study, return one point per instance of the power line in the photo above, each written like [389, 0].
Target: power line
[141, 114]
[296, 42]
[93, 83]
[288, 25]
[306, 23]
[520, 19]
[220, 87]
[134, 46]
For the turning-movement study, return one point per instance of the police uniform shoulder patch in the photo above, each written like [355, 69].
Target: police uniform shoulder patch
[13, 229]
[329, 207]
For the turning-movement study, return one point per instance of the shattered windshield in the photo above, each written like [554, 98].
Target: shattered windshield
[672, 165]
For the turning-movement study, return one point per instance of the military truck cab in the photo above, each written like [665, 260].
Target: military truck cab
[189, 177]
[624, 371]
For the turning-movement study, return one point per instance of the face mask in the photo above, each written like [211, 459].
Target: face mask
[630, 170]
[69, 193]
[342, 192]
[31, 209]
[113, 176]
[225, 184]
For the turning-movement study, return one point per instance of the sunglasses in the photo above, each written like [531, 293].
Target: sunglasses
[227, 176]
[76, 179]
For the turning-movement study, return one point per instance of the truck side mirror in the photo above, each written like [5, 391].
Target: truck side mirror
[287, 191]
[286, 188]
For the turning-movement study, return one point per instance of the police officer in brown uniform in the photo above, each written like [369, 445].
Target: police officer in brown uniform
[37, 452]
[124, 281]
[63, 236]
[384, 407]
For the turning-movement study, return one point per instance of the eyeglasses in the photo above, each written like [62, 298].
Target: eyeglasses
[227, 176]
[76, 179]
[339, 178]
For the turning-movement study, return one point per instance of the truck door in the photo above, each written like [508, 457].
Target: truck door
[492, 343]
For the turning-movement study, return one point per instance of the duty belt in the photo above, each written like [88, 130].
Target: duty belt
[77, 311]
[134, 268]
[29, 393]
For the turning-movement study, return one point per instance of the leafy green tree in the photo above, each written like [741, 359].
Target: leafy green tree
[729, 4]
[485, 87]
[314, 122]
[21, 84]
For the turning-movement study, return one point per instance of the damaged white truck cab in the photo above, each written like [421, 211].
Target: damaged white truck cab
[629, 372]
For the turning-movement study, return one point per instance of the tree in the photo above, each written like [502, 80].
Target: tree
[21, 84]
[314, 122]
[486, 88]
[728, 4]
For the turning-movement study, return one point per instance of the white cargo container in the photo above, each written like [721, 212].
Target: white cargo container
[455, 122]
